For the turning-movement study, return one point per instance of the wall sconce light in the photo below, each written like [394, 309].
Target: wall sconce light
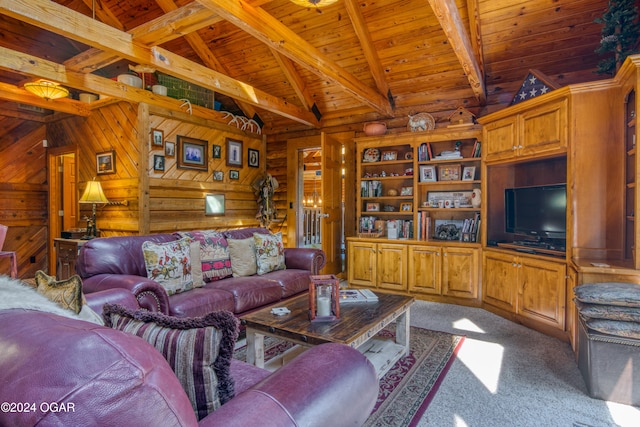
[46, 89]
[93, 194]
[324, 298]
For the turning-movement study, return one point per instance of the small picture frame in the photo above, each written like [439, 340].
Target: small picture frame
[106, 162]
[192, 153]
[214, 204]
[253, 158]
[218, 175]
[217, 151]
[427, 173]
[170, 149]
[406, 207]
[449, 173]
[389, 155]
[157, 138]
[234, 153]
[372, 207]
[158, 162]
[406, 191]
[469, 173]
[234, 174]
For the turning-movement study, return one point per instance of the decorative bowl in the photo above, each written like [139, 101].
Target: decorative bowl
[375, 128]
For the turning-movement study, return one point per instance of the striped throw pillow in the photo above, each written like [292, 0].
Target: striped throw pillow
[199, 350]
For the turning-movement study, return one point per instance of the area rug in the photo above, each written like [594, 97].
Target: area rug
[408, 387]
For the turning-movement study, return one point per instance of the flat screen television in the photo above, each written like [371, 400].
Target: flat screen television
[539, 211]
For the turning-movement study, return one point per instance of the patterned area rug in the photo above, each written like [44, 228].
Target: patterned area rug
[408, 387]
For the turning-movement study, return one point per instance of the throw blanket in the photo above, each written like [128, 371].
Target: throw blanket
[16, 294]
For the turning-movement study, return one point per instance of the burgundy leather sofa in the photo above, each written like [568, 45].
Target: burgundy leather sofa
[58, 371]
[117, 262]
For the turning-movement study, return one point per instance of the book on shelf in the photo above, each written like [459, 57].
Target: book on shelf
[477, 149]
[350, 296]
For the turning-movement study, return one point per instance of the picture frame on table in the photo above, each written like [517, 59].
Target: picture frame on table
[406, 191]
[469, 173]
[106, 162]
[427, 173]
[192, 153]
[253, 158]
[234, 152]
[449, 173]
[157, 138]
[406, 207]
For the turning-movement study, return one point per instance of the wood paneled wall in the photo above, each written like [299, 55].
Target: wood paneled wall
[157, 201]
[23, 191]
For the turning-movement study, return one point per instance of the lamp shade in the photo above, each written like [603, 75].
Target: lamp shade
[313, 3]
[47, 90]
[93, 193]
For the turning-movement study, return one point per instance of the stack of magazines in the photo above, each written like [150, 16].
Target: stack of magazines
[357, 296]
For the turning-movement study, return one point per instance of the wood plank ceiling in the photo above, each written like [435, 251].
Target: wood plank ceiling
[347, 63]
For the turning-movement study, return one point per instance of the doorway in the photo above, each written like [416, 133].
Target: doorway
[63, 196]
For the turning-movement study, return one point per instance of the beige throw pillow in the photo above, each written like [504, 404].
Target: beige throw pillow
[243, 257]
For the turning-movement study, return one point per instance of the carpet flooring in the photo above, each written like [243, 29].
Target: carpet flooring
[408, 387]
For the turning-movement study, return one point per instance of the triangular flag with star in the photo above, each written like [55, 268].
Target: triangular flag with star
[535, 84]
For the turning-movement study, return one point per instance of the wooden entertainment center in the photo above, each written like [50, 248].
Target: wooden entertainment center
[582, 135]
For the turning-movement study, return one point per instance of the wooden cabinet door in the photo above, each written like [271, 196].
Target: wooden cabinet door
[499, 278]
[543, 130]
[460, 272]
[541, 290]
[362, 263]
[391, 267]
[500, 139]
[424, 269]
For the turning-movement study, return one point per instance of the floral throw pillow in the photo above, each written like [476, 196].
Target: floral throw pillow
[175, 265]
[269, 252]
[214, 253]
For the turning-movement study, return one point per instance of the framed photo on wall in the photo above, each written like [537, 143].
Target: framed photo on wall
[234, 152]
[157, 138]
[106, 162]
[234, 174]
[170, 149]
[158, 162]
[192, 153]
[253, 158]
[217, 151]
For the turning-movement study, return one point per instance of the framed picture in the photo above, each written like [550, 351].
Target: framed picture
[218, 175]
[234, 174]
[106, 162]
[217, 151]
[373, 207]
[234, 153]
[157, 138]
[406, 191]
[427, 173]
[469, 173]
[406, 207]
[389, 155]
[449, 173]
[253, 158]
[214, 204]
[170, 149]
[192, 153]
[158, 162]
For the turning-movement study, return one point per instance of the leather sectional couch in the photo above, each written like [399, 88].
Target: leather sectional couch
[61, 371]
[118, 262]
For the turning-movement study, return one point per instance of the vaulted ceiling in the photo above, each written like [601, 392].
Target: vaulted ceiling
[301, 67]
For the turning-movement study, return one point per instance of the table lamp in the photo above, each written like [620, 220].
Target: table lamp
[93, 194]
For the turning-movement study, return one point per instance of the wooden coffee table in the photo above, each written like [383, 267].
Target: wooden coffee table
[357, 327]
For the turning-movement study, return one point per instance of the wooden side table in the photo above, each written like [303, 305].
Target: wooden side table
[66, 256]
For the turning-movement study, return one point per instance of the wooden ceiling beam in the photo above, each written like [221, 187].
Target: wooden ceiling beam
[103, 14]
[371, 55]
[66, 22]
[293, 77]
[258, 23]
[448, 15]
[476, 35]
